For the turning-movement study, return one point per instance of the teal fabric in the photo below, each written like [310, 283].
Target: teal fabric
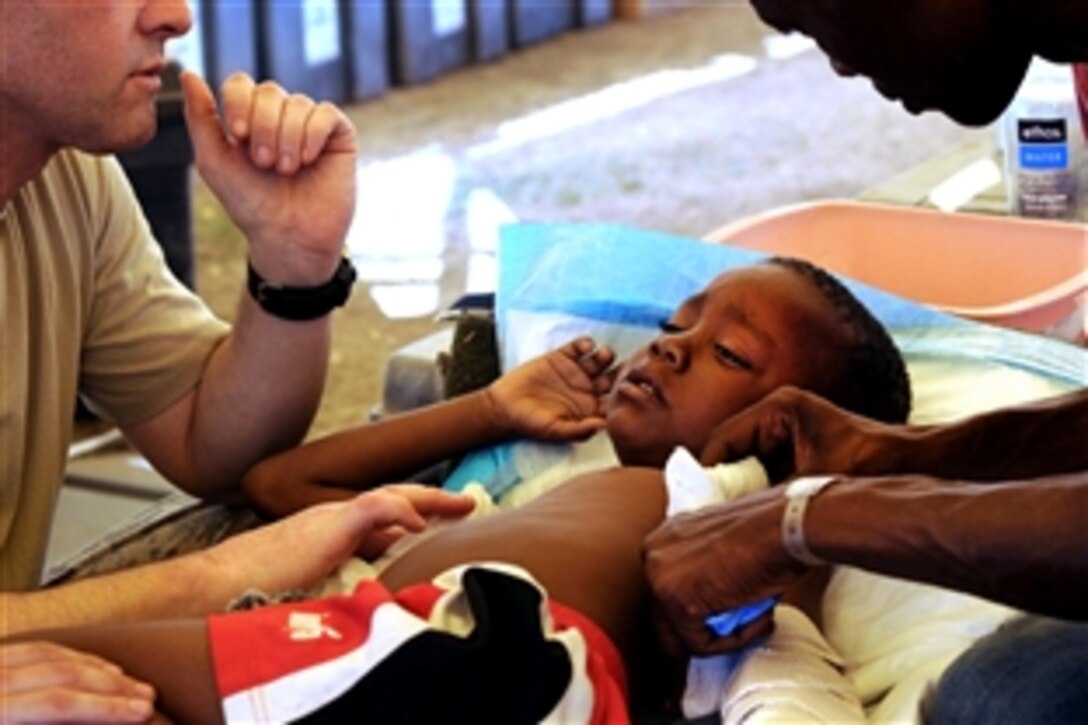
[493, 468]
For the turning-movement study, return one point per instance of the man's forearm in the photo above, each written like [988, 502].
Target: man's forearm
[258, 395]
[1040, 439]
[179, 587]
[292, 554]
[262, 388]
[1020, 543]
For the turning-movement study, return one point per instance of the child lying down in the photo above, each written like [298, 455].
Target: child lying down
[540, 612]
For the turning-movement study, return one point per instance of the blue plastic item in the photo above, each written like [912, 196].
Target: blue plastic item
[724, 624]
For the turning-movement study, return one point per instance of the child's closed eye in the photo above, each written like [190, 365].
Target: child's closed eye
[723, 352]
[728, 356]
[669, 327]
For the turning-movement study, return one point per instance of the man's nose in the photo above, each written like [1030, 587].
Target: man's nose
[166, 18]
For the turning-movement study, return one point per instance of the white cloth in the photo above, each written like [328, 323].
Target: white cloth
[792, 676]
[897, 637]
[690, 486]
[550, 470]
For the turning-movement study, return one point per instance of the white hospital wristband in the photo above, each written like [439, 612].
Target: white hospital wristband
[798, 493]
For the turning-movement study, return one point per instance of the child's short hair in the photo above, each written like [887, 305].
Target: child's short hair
[873, 379]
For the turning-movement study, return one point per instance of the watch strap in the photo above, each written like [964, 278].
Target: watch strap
[302, 303]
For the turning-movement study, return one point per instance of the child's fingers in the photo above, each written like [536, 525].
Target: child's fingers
[583, 428]
[597, 360]
[603, 383]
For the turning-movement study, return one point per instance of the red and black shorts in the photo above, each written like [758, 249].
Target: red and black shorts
[479, 644]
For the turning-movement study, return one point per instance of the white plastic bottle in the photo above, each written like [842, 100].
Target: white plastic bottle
[1045, 160]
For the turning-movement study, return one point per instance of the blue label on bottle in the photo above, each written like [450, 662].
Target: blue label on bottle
[1044, 156]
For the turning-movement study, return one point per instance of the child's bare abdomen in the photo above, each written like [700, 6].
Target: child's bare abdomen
[582, 541]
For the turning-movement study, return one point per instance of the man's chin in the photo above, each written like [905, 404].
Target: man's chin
[978, 113]
[966, 110]
[978, 97]
[126, 141]
[971, 95]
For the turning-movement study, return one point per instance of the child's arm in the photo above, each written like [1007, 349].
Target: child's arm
[553, 397]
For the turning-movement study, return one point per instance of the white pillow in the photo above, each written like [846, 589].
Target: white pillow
[898, 636]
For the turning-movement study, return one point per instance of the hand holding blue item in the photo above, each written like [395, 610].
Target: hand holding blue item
[690, 487]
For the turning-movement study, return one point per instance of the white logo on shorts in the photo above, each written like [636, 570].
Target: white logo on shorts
[305, 626]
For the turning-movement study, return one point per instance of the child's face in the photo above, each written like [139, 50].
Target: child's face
[749, 332]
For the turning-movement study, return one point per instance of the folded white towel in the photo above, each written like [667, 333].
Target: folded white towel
[690, 486]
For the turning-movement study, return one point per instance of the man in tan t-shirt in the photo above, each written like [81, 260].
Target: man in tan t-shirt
[89, 308]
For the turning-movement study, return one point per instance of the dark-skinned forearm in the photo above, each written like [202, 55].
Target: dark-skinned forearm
[1021, 543]
[389, 450]
[1039, 439]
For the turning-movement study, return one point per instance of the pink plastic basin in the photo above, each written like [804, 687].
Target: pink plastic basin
[1022, 273]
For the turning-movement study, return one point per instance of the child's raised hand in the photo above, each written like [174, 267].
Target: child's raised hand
[558, 396]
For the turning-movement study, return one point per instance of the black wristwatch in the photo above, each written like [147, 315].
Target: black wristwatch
[302, 303]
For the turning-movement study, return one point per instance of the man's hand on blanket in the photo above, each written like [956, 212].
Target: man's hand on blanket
[794, 432]
[44, 682]
[716, 559]
[558, 396]
[299, 551]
